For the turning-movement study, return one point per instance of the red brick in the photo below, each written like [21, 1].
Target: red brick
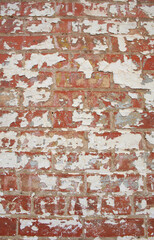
[11, 25]
[34, 42]
[10, 43]
[77, 80]
[151, 227]
[148, 63]
[49, 205]
[126, 160]
[50, 227]
[116, 205]
[8, 226]
[8, 181]
[83, 206]
[114, 228]
[15, 204]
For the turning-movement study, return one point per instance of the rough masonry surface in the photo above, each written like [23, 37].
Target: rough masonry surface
[76, 120]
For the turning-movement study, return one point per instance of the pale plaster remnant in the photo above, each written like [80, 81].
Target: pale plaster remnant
[149, 99]
[99, 46]
[10, 9]
[47, 44]
[10, 135]
[46, 11]
[149, 26]
[125, 73]
[127, 140]
[77, 102]
[93, 27]
[150, 137]
[39, 59]
[45, 25]
[48, 182]
[68, 183]
[85, 117]
[122, 43]
[85, 66]
[149, 10]
[8, 118]
[95, 182]
[42, 121]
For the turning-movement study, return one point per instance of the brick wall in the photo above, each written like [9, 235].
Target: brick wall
[76, 120]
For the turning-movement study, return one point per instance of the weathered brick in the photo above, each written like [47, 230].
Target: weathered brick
[114, 228]
[86, 161]
[36, 183]
[8, 226]
[8, 181]
[116, 205]
[22, 160]
[50, 227]
[49, 205]
[77, 80]
[150, 227]
[15, 204]
[129, 118]
[11, 25]
[125, 184]
[113, 100]
[144, 204]
[86, 206]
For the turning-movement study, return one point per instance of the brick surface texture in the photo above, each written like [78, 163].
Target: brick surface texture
[76, 120]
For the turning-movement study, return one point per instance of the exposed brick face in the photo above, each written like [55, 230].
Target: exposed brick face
[76, 120]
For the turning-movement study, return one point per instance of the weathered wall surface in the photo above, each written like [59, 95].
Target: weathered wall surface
[76, 140]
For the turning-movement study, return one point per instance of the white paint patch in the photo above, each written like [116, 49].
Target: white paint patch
[46, 11]
[127, 140]
[125, 73]
[95, 182]
[42, 121]
[149, 26]
[47, 44]
[149, 99]
[77, 102]
[39, 59]
[10, 135]
[46, 25]
[64, 224]
[71, 182]
[140, 164]
[99, 46]
[85, 117]
[85, 66]
[48, 182]
[122, 43]
[8, 118]
[94, 27]
[150, 137]
[149, 10]
[34, 95]
[10, 9]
